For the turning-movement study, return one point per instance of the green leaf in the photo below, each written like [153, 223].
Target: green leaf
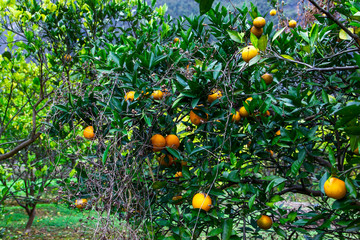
[251, 201]
[215, 232]
[236, 36]
[350, 187]
[254, 40]
[262, 43]
[331, 156]
[174, 153]
[185, 172]
[353, 130]
[227, 229]
[344, 36]
[277, 34]
[325, 97]
[205, 6]
[298, 163]
[276, 182]
[106, 153]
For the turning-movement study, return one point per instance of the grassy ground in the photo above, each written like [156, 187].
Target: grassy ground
[52, 222]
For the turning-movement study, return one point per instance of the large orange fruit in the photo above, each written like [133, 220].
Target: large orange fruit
[80, 203]
[248, 53]
[273, 12]
[172, 141]
[256, 31]
[259, 22]
[89, 133]
[335, 188]
[264, 222]
[196, 119]
[203, 201]
[268, 78]
[158, 142]
[129, 96]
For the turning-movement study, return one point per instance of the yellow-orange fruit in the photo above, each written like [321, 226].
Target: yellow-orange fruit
[158, 142]
[201, 200]
[196, 119]
[81, 203]
[243, 112]
[236, 117]
[164, 162]
[67, 58]
[157, 95]
[178, 174]
[292, 23]
[257, 31]
[268, 78]
[177, 199]
[176, 40]
[249, 53]
[264, 222]
[129, 96]
[259, 22]
[356, 151]
[335, 188]
[89, 133]
[278, 133]
[172, 141]
[273, 12]
[216, 94]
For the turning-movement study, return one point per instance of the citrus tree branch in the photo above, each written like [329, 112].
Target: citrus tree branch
[20, 147]
[332, 17]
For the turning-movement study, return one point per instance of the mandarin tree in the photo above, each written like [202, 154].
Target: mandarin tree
[300, 128]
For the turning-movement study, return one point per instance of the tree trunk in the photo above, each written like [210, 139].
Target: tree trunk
[30, 220]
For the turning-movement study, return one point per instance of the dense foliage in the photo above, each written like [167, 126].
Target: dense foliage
[302, 128]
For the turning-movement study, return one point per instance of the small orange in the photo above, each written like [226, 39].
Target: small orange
[267, 114]
[236, 117]
[248, 144]
[177, 200]
[356, 151]
[166, 162]
[259, 22]
[248, 53]
[89, 133]
[81, 203]
[248, 100]
[172, 141]
[292, 23]
[273, 12]
[243, 112]
[157, 95]
[268, 78]
[278, 133]
[215, 94]
[178, 174]
[158, 142]
[196, 119]
[271, 152]
[203, 201]
[335, 188]
[176, 40]
[257, 31]
[183, 163]
[67, 58]
[129, 96]
[264, 222]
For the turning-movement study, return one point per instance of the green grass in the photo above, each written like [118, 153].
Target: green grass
[52, 221]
